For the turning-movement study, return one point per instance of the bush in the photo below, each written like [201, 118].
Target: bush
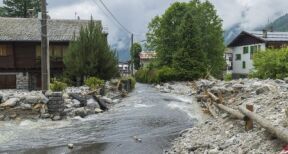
[94, 83]
[164, 74]
[272, 63]
[58, 86]
[133, 81]
[228, 77]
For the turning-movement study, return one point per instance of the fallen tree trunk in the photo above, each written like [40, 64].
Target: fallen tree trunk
[231, 111]
[214, 98]
[279, 131]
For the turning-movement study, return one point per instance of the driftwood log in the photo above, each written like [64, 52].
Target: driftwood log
[234, 113]
[231, 111]
[278, 131]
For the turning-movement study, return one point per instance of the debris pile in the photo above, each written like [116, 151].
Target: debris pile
[73, 101]
[222, 133]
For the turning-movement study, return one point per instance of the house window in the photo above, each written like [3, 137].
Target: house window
[4, 50]
[238, 56]
[243, 64]
[245, 50]
[55, 51]
[253, 49]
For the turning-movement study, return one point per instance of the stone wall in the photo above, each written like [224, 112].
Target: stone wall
[56, 103]
[22, 81]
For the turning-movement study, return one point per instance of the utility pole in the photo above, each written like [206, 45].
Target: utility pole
[44, 48]
[132, 58]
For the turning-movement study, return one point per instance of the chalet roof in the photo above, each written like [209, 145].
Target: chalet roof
[29, 29]
[271, 36]
[259, 35]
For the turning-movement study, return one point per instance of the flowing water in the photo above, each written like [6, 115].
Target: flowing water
[146, 114]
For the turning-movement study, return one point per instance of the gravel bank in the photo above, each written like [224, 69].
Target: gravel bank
[225, 135]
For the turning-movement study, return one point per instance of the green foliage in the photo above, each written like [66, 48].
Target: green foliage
[94, 83]
[58, 86]
[272, 63]
[133, 81]
[154, 75]
[228, 77]
[90, 55]
[19, 8]
[135, 51]
[189, 38]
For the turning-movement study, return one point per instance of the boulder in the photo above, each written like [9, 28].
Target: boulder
[81, 112]
[32, 99]
[98, 110]
[56, 118]
[45, 116]
[12, 102]
[106, 100]
[43, 99]
[24, 106]
[262, 90]
[76, 103]
[92, 104]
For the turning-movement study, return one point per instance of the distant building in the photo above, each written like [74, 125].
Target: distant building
[124, 68]
[247, 43]
[146, 57]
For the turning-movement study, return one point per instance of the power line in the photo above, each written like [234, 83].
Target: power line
[112, 15]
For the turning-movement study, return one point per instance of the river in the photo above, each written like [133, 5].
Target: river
[146, 114]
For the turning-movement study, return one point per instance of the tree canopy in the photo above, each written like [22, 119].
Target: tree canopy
[89, 55]
[189, 37]
[135, 51]
[19, 8]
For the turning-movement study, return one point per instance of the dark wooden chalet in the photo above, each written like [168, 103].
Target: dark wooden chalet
[20, 49]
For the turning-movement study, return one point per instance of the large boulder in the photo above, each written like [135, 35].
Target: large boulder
[81, 112]
[106, 100]
[92, 104]
[262, 90]
[32, 99]
[76, 103]
[12, 102]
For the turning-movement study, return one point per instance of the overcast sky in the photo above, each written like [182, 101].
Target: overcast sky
[136, 14]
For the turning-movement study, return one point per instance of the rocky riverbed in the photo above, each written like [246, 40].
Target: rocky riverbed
[73, 101]
[223, 134]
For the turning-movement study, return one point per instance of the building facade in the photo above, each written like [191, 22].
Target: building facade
[20, 49]
[146, 57]
[246, 44]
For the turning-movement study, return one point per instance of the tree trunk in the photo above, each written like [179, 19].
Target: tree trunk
[233, 112]
[279, 131]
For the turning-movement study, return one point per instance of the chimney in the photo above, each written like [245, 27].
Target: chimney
[264, 33]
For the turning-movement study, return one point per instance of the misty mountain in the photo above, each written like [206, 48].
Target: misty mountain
[280, 25]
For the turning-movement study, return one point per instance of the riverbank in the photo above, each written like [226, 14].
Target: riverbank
[72, 102]
[223, 134]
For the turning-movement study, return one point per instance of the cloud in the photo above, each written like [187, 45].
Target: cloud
[136, 14]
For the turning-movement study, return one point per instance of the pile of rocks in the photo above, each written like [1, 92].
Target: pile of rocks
[180, 88]
[74, 101]
[222, 134]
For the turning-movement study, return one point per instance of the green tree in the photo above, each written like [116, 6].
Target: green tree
[135, 51]
[272, 63]
[189, 37]
[89, 55]
[19, 8]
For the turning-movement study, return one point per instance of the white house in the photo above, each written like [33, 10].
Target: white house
[146, 57]
[247, 43]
